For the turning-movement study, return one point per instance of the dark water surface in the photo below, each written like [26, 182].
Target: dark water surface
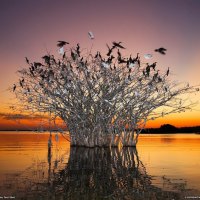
[162, 167]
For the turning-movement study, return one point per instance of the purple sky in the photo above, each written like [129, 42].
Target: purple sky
[29, 28]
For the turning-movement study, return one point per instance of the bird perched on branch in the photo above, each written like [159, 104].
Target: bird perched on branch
[109, 60]
[167, 72]
[27, 60]
[153, 65]
[37, 64]
[109, 50]
[21, 83]
[73, 55]
[98, 55]
[161, 50]
[46, 59]
[148, 69]
[78, 50]
[121, 60]
[62, 43]
[117, 45]
[14, 87]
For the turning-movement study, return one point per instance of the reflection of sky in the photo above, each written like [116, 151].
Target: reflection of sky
[29, 28]
[178, 160]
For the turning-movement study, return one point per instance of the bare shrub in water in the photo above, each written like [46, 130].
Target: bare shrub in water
[103, 100]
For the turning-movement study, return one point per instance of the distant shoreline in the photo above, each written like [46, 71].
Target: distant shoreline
[166, 128]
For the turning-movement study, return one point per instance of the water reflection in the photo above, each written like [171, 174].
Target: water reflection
[168, 139]
[91, 173]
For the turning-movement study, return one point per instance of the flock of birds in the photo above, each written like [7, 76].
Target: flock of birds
[130, 62]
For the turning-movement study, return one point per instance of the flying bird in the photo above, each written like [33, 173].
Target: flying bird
[62, 43]
[91, 35]
[148, 56]
[118, 45]
[161, 50]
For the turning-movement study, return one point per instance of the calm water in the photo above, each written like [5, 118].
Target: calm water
[162, 167]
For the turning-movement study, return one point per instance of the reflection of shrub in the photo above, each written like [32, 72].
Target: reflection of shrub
[99, 97]
[103, 173]
[90, 173]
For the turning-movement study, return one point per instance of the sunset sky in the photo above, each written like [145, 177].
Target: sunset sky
[31, 28]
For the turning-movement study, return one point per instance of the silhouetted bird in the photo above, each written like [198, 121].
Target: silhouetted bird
[27, 60]
[21, 83]
[161, 50]
[121, 60]
[135, 59]
[37, 64]
[153, 65]
[117, 45]
[109, 50]
[73, 55]
[159, 79]
[62, 43]
[148, 69]
[98, 55]
[31, 71]
[14, 87]
[167, 72]
[155, 75]
[119, 54]
[78, 50]
[109, 60]
[64, 55]
[46, 59]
